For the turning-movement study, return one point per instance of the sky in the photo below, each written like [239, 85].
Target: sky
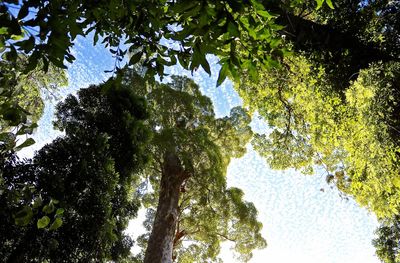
[305, 221]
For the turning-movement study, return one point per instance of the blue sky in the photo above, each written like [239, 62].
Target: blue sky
[301, 222]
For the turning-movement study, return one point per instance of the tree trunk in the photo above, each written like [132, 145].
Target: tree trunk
[161, 241]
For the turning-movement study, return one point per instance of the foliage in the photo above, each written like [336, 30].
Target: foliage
[83, 195]
[21, 103]
[371, 21]
[209, 212]
[343, 40]
[352, 136]
[46, 30]
[388, 240]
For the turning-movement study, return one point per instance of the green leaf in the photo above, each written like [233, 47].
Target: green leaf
[57, 62]
[233, 29]
[135, 58]
[17, 37]
[184, 6]
[265, 14]
[396, 182]
[329, 3]
[60, 211]
[206, 66]
[319, 4]
[95, 38]
[56, 224]
[43, 222]
[48, 209]
[223, 73]
[5, 136]
[24, 216]
[26, 143]
[26, 45]
[257, 4]
[252, 69]
[3, 30]
[200, 58]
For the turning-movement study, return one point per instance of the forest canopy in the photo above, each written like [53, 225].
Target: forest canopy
[323, 74]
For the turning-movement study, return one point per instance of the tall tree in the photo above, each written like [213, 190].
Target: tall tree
[83, 183]
[193, 209]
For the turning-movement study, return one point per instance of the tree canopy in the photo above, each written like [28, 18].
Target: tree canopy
[21, 103]
[353, 137]
[46, 30]
[324, 76]
[78, 190]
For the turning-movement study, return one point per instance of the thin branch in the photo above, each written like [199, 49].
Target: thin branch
[227, 238]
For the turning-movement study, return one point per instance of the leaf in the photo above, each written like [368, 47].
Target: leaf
[223, 73]
[95, 38]
[43, 222]
[28, 142]
[184, 6]
[60, 211]
[329, 3]
[206, 66]
[56, 224]
[3, 30]
[26, 45]
[24, 11]
[24, 216]
[57, 62]
[265, 14]
[17, 37]
[32, 61]
[253, 71]
[319, 4]
[200, 58]
[257, 4]
[396, 182]
[48, 209]
[233, 29]
[4, 136]
[28, 129]
[135, 58]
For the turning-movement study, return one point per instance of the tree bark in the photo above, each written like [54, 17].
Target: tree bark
[161, 241]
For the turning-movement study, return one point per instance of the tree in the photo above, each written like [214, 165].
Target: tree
[193, 211]
[333, 103]
[387, 242]
[344, 39]
[353, 137]
[83, 182]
